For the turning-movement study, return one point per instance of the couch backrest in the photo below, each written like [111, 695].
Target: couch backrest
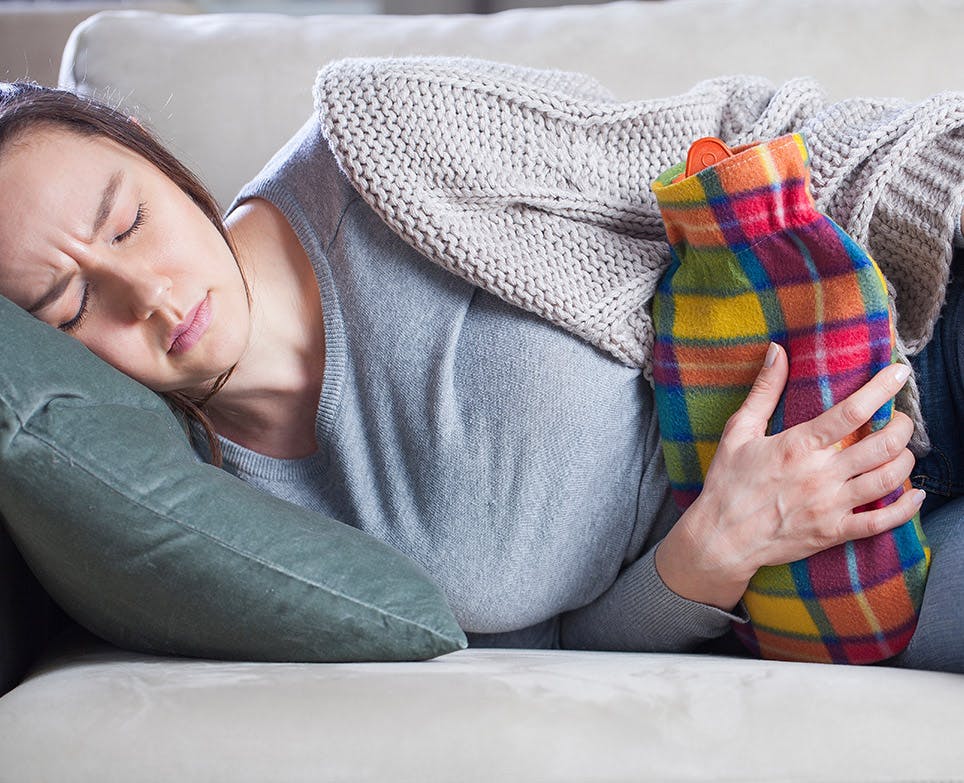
[226, 91]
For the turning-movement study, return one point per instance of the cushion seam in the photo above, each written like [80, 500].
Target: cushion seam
[261, 561]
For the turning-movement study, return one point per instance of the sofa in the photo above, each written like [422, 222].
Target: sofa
[225, 91]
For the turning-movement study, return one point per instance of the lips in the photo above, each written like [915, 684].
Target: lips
[186, 335]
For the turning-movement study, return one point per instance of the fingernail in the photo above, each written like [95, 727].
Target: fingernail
[771, 355]
[902, 373]
[919, 496]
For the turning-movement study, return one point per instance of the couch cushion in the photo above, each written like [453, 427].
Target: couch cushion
[226, 91]
[151, 549]
[479, 715]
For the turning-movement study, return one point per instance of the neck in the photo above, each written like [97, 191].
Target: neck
[270, 401]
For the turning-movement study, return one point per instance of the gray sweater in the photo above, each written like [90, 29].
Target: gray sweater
[516, 462]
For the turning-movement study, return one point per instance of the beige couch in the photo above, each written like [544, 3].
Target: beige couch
[226, 92]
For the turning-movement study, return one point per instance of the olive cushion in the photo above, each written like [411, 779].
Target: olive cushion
[155, 551]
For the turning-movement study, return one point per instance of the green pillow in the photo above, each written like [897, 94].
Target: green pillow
[155, 551]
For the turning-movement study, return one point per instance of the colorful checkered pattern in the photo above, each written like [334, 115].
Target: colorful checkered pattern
[754, 261]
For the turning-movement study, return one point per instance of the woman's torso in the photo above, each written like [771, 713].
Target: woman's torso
[499, 451]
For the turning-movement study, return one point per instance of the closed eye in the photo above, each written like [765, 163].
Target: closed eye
[78, 319]
[139, 219]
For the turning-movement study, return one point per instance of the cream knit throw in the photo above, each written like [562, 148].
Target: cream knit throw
[535, 184]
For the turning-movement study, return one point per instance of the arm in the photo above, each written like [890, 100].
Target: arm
[758, 507]
[775, 499]
[640, 612]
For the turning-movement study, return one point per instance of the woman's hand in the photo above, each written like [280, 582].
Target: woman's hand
[769, 500]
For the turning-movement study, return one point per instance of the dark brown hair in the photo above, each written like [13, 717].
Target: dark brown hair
[24, 105]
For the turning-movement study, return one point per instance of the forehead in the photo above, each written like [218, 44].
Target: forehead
[52, 174]
[50, 185]
[41, 162]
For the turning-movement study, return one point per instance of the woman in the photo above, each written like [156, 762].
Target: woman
[518, 464]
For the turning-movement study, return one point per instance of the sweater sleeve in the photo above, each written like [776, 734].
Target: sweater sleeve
[639, 613]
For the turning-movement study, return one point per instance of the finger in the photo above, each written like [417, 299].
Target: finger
[877, 448]
[880, 520]
[881, 481]
[836, 423]
[755, 412]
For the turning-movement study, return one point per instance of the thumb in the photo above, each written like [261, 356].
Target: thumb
[764, 396]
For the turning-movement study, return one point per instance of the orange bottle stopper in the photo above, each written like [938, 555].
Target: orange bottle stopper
[704, 153]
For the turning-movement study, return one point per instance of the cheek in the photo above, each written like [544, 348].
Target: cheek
[128, 352]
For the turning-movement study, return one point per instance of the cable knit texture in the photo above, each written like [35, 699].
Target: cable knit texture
[535, 184]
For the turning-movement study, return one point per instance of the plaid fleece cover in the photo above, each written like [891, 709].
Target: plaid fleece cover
[754, 261]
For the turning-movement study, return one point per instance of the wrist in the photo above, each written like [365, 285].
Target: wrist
[695, 562]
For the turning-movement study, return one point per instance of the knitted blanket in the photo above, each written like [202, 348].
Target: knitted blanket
[535, 184]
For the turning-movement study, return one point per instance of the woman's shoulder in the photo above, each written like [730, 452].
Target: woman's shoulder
[304, 168]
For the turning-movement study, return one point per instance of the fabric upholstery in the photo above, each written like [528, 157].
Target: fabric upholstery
[479, 716]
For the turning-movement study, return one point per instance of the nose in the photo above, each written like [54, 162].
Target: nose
[136, 287]
[148, 294]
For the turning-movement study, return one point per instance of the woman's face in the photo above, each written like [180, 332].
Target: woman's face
[99, 243]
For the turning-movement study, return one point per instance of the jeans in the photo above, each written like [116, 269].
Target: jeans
[941, 384]
[938, 642]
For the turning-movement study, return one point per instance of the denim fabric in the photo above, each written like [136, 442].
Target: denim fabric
[939, 376]
[938, 642]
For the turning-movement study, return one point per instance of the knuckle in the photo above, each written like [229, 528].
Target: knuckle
[817, 519]
[796, 444]
[852, 412]
[889, 445]
[888, 479]
[870, 525]
[902, 420]
[810, 440]
[896, 448]
[907, 462]
[827, 536]
[788, 454]
[810, 518]
[899, 431]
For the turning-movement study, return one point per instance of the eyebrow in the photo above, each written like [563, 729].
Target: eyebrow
[51, 296]
[107, 202]
[103, 212]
